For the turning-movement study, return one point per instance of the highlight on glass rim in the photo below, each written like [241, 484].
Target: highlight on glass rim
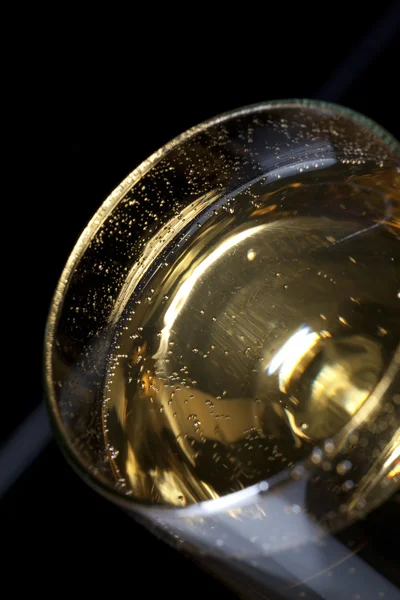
[222, 352]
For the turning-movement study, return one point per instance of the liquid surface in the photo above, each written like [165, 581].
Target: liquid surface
[260, 330]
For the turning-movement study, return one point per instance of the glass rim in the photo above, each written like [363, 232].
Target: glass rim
[234, 498]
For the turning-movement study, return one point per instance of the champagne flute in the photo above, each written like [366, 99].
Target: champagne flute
[222, 352]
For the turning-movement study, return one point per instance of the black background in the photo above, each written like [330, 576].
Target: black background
[93, 112]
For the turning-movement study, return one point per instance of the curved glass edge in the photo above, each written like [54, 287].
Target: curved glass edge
[96, 222]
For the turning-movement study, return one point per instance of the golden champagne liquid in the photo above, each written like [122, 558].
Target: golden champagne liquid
[261, 330]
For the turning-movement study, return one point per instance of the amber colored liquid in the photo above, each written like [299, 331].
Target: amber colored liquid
[198, 402]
